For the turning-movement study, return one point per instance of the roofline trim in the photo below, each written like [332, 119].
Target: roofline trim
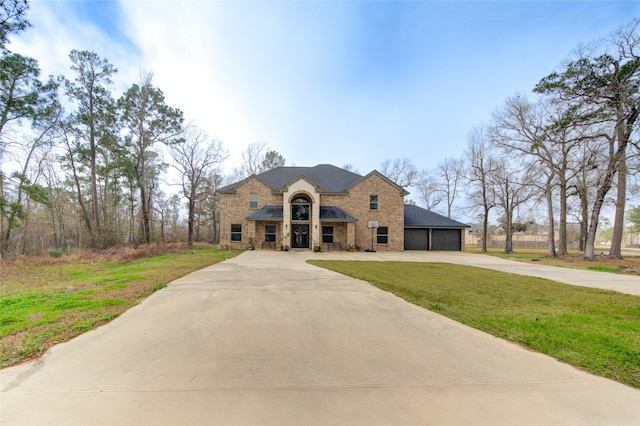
[234, 186]
[403, 191]
[286, 186]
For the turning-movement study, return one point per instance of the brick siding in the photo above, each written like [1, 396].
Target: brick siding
[390, 213]
[235, 207]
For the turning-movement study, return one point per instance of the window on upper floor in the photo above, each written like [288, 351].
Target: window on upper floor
[253, 201]
[383, 235]
[373, 202]
[301, 208]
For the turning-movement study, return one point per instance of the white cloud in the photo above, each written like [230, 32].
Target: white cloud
[55, 31]
[332, 82]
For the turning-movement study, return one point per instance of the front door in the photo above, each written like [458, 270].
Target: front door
[300, 237]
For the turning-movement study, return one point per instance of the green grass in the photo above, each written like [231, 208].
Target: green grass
[596, 330]
[42, 304]
[602, 268]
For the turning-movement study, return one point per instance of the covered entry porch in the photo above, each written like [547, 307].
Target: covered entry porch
[334, 230]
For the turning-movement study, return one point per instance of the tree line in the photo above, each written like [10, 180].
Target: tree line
[81, 168]
[570, 151]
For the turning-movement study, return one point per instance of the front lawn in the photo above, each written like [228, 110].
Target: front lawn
[45, 301]
[595, 330]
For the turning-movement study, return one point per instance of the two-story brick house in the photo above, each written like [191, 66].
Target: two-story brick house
[323, 208]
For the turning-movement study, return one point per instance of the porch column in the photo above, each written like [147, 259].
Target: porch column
[351, 233]
[286, 222]
[316, 229]
[251, 229]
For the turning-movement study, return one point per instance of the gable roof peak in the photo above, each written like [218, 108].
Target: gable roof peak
[328, 178]
[374, 172]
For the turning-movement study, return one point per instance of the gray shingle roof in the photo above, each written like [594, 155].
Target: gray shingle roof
[334, 214]
[418, 217]
[330, 179]
[267, 213]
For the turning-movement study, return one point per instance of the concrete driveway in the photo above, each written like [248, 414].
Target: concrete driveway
[266, 339]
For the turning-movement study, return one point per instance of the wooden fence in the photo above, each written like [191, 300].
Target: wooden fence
[520, 241]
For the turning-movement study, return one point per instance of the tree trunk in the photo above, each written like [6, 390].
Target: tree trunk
[54, 228]
[591, 237]
[589, 250]
[95, 208]
[552, 237]
[83, 208]
[615, 252]
[508, 240]
[162, 238]
[615, 159]
[25, 228]
[562, 225]
[144, 209]
[508, 219]
[132, 215]
[215, 228]
[485, 225]
[584, 213]
[190, 221]
[3, 244]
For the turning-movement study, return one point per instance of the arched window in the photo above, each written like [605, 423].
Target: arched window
[301, 199]
[301, 208]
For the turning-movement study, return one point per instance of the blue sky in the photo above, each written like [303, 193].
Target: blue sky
[333, 81]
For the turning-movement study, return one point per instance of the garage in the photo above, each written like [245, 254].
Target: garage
[416, 239]
[426, 230]
[446, 239]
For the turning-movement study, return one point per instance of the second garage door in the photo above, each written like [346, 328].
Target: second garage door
[446, 239]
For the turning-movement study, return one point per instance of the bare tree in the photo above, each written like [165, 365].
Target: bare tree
[588, 177]
[195, 159]
[512, 188]
[401, 171]
[430, 190]
[256, 159]
[482, 166]
[208, 209]
[451, 172]
[545, 134]
[252, 158]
